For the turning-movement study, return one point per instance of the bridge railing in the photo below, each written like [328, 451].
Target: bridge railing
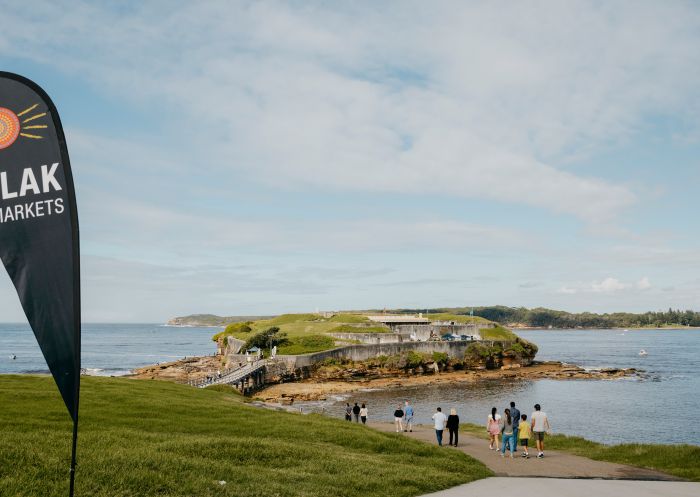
[229, 375]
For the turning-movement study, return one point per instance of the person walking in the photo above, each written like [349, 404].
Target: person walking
[408, 417]
[356, 412]
[398, 418]
[493, 428]
[525, 433]
[440, 421]
[348, 412]
[363, 414]
[515, 414]
[539, 425]
[453, 426]
[507, 431]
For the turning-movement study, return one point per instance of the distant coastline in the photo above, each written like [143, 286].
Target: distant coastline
[517, 326]
[512, 317]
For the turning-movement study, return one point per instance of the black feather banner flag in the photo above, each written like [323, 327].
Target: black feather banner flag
[39, 243]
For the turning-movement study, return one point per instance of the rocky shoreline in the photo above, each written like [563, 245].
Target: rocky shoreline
[326, 381]
[182, 371]
[320, 387]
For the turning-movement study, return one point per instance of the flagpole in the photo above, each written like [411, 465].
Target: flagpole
[73, 453]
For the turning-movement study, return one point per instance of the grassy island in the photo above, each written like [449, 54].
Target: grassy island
[149, 438]
[306, 333]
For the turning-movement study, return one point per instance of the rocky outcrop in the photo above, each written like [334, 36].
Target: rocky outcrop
[495, 355]
[190, 369]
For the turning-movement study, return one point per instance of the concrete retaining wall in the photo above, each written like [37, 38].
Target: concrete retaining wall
[371, 338]
[365, 352]
[411, 332]
[234, 346]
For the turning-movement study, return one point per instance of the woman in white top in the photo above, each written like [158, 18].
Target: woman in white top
[493, 427]
[363, 414]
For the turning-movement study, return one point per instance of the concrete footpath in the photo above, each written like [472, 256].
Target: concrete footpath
[555, 464]
[554, 487]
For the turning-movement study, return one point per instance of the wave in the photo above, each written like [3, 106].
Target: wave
[105, 372]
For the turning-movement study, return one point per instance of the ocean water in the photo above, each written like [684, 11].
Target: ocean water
[108, 349]
[662, 407]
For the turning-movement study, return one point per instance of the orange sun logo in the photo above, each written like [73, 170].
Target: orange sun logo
[11, 128]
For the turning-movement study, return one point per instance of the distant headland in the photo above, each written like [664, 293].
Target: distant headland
[206, 320]
[512, 317]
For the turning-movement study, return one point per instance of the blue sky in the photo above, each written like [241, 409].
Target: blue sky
[264, 157]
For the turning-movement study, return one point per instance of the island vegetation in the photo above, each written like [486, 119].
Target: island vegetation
[306, 333]
[152, 438]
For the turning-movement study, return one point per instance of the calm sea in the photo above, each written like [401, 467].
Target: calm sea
[108, 349]
[664, 407]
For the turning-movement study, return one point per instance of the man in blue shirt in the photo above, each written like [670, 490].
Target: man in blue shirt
[408, 416]
[515, 414]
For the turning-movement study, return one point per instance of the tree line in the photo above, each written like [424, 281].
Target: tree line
[544, 318]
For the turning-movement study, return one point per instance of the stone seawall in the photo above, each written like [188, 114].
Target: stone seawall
[365, 352]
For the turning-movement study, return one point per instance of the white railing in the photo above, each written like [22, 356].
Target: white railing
[231, 375]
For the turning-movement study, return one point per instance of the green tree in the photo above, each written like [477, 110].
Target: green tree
[271, 337]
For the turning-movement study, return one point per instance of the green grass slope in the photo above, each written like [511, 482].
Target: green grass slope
[147, 438]
[306, 332]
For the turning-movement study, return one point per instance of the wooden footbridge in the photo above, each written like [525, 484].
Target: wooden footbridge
[245, 378]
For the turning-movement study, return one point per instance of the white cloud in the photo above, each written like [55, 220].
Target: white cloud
[459, 100]
[608, 285]
[644, 284]
[355, 99]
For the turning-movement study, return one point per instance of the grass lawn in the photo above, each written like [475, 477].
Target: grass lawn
[678, 460]
[306, 331]
[149, 438]
[457, 318]
[497, 333]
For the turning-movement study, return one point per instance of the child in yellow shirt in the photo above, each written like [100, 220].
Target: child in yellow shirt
[524, 434]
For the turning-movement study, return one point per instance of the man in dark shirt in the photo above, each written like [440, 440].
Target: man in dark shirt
[515, 414]
[356, 412]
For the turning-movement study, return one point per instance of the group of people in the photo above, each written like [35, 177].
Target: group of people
[403, 421]
[514, 426]
[403, 417]
[356, 412]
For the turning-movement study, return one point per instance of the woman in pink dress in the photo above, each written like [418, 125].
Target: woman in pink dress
[493, 427]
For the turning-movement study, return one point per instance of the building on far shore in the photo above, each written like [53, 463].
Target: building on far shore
[393, 320]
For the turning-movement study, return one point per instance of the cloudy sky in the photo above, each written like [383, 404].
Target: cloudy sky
[263, 157]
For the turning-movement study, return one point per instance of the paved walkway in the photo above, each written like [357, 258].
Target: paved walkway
[554, 465]
[553, 487]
